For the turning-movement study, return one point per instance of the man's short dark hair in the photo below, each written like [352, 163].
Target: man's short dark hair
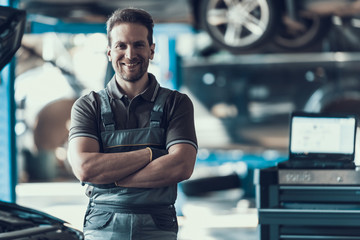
[131, 15]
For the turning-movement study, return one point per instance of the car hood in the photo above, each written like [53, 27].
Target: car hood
[18, 222]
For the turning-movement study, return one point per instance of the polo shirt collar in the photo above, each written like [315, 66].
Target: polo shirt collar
[149, 94]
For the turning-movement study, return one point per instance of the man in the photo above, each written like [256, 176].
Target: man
[132, 142]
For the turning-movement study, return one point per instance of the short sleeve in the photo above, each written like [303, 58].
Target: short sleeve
[181, 126]
[84, 117]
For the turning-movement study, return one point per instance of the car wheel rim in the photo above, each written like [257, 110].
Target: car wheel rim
[238, 23]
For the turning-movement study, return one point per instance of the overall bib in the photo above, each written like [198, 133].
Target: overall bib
[131, 213]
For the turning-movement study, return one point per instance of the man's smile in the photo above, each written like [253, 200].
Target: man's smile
[131, 65]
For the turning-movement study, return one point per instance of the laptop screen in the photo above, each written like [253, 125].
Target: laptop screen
[319, 136]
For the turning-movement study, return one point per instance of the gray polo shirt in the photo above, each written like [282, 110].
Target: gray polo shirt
[178, 114]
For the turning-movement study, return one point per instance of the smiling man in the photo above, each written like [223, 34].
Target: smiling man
[132, 142]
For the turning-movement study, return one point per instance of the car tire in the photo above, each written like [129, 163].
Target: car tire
[231, 30]
[306, 32]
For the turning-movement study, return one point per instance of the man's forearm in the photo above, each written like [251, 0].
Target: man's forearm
[109, 167]
[163, 171]
[100, 168]
[155, 174]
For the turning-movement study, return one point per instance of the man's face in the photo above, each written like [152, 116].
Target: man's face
[130, 51]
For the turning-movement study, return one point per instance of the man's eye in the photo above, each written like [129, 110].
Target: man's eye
[139, 45]
[121, 46]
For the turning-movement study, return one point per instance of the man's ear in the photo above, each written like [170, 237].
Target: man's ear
[108, 53]
[152, 51]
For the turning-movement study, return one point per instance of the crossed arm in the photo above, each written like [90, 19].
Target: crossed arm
[130, 169]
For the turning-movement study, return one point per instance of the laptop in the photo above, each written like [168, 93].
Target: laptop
[321, 141]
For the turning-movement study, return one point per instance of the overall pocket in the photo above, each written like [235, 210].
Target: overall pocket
[97, 219]
[166, 220]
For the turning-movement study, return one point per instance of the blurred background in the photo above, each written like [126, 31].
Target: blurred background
[245, 64]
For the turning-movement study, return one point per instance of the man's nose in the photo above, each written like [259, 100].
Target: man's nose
[129, 52]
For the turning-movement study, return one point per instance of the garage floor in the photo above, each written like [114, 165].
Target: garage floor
[222, 215]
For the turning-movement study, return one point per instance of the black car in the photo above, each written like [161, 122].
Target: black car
[235, 25]
[17, 222]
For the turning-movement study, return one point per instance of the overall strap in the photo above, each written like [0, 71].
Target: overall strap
[107, 116]
[158, 109]
[106, 113]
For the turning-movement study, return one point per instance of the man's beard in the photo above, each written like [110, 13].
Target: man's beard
[139, 74]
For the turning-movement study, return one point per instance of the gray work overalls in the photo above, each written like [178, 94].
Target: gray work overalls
[131, 213]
